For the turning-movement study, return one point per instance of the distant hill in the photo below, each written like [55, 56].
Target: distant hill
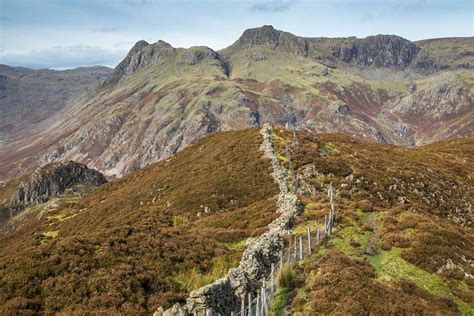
[29, 96]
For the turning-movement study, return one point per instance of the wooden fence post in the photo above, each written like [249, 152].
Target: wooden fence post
[309, 241]
[289, 251]
[242, 307]
[325, 224]
[250, 304]
[273, 278]
[317, 235]
[257, 305]
[264, 301]
[301, 248]
[295, 251]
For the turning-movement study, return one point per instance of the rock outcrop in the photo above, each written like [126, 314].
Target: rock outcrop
[224, 295]
[53, 180]
[379, 51]
[386, 51]
[267, 35]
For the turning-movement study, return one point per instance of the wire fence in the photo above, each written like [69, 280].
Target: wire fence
[299, 247]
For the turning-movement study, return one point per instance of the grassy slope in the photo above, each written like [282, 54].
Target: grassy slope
[138, 243]
[451, 51]
[386, 257]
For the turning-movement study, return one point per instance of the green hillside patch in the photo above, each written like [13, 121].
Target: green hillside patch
[390, 266]
[194, 278]
[351, 240]
[47, 236]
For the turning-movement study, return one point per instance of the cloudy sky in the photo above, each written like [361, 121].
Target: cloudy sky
[70, 33]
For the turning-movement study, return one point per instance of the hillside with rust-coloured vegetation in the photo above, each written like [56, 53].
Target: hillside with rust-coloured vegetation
[144, 241]
[402, 240]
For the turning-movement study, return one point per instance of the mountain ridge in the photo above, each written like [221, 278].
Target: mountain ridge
[160, 99]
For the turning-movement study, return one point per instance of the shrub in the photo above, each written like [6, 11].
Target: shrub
[286, 277]
[179, 220]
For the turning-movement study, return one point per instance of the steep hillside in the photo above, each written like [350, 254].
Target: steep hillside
[159, 99]
[29, 96]
[403, 229]
[402, 242]
[145, 240]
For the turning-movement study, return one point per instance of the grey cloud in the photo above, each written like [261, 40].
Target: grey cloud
[273, 6]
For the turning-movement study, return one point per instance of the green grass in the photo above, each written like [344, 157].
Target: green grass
[350, 233]
[326, 150]
[280, 301]
[285, 283]
[390, 266]
[179, 220]
[48, 236]
[463, 307]
[63, 215]
[194, 278]
[238, 244]
[315, 255]
[51, 234]
[303, 229]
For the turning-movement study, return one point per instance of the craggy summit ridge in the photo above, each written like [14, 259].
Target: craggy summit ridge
[379, 51]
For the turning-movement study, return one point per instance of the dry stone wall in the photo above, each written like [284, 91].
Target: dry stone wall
[225, 295]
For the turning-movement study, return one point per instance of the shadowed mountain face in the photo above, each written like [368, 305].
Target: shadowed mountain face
[159, 99]
[29, 96]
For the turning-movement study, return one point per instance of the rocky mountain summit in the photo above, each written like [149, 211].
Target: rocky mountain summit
[159, 99]
[379, 51]
[387, 51]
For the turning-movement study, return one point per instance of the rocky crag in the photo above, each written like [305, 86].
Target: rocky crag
[53, 180]
[225, 295]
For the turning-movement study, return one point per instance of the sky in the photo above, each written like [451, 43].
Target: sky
[62, 34]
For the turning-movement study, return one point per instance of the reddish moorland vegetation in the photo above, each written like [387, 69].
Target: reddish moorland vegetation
[131, 245]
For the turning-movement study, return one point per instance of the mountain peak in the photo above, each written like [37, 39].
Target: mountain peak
[259, 36]
[142, 54]
[139, 45]
[268, 36]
